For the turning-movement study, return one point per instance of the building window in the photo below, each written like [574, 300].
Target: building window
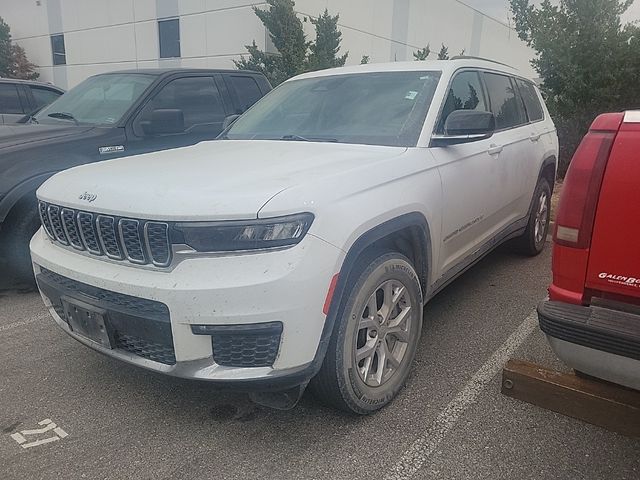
[57, 49]
[169, 35]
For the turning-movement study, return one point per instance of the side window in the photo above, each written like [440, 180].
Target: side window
[531, 100]
[197, 97]
[9, 100]
[246, 89]
[505, 104]
[43, 96]
[465, 93]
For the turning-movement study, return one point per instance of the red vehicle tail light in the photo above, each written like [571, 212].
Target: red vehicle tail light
[577, 208]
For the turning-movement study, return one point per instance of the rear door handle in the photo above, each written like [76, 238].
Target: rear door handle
[495, 149]
[534, 137]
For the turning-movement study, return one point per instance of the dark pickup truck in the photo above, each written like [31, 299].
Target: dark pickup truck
[108, 116]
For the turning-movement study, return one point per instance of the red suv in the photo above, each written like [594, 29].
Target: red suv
[592, 317]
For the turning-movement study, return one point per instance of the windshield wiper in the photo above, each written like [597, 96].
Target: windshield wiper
[64, 116]
[300, 138]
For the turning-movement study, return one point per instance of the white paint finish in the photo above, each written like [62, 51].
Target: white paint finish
[25, 18]
[418, 454]
[147, 47]
[193, 36]
[118, 45]
[224, 40]
[144, 10]
[78, 73]
[86, 14]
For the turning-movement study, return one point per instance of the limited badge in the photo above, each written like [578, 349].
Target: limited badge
[111, 149]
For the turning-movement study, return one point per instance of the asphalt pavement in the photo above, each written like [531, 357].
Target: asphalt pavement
[114, 421]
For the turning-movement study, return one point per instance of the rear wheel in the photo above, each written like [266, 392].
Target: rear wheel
[375, 337]
[532, 241]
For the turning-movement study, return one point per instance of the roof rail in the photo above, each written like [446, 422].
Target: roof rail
[470, 57]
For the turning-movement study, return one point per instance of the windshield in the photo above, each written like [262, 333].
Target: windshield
[380, 108]
[99, 100]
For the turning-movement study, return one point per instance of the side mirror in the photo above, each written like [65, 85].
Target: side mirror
[466, 126]
[164, 121]
[228, 121]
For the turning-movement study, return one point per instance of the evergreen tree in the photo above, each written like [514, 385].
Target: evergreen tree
[324, 51]
[422, 54]
[444, 53]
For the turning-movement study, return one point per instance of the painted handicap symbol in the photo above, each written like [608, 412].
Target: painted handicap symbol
[57, 433]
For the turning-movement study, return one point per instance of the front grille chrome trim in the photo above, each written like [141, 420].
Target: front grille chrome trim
[141, 242]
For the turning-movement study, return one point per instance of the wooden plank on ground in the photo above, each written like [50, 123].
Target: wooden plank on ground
[593, 401]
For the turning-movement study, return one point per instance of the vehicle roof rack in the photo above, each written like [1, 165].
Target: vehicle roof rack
[471, 57]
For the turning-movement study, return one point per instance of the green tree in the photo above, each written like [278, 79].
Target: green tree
[13, 59]
[287, 35]
[422, 54]
[365, 59]
[324, 51]
[444, 53]
[5, 48]
[588, 61]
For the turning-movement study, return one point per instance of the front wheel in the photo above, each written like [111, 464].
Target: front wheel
[375, 337]
[532, 241]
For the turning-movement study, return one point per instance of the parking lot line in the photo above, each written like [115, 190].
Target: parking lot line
[417, 455]
[23, 322]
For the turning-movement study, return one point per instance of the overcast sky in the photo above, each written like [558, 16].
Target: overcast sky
[500, 9]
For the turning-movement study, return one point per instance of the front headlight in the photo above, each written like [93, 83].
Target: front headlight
[243, 235]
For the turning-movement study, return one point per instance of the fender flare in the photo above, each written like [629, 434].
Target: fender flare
[348, 268]
[19, 191]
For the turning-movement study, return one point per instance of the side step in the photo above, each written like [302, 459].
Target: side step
[588, 399]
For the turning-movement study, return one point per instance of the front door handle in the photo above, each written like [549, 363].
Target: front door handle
[495, 149]
[534, 137]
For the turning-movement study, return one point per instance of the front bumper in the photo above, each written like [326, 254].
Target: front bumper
[180, 313]
[596, 340]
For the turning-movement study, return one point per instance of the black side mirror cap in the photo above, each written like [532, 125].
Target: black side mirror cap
[466, 126]
[164, 121]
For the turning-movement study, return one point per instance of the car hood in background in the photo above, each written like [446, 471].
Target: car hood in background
[21, 134]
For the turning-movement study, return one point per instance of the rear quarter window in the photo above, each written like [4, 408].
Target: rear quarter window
[531, 100]
[247, 91]
[9, 100]
[43, 96]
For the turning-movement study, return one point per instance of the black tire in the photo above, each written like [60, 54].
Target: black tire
[21, 224]
[341, 380]
[534, 238]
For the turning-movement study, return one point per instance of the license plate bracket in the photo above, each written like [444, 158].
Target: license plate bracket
[87, 321]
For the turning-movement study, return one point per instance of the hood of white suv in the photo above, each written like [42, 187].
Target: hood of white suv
[220, 180]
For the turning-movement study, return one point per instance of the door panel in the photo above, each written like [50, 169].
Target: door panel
[470, 177]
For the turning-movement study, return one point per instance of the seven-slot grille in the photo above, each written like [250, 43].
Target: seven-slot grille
[138, 241]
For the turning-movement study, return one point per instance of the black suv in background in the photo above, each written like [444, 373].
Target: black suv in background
[108, 116]
[21, 97]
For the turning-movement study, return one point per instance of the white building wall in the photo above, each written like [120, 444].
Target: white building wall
[107, 35]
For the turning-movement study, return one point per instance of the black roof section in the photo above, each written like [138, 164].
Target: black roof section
[168, 71]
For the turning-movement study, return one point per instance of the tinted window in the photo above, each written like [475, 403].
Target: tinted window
[57, 50]
[505, 105]
[378, 108]
[9, 101]
[531, 101]
[465, 93]
[43, 96]
[197, 97]
[247, 91]
[99, 100]
[169, 35]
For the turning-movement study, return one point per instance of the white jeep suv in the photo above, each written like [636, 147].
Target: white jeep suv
[301, 246]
